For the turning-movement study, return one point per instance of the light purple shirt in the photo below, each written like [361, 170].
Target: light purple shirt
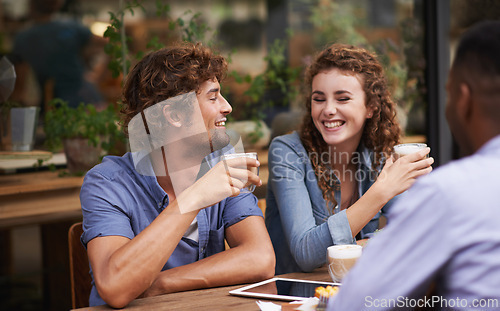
[445, 230]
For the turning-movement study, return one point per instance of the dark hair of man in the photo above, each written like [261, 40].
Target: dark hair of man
[167, 73]
[477, 63]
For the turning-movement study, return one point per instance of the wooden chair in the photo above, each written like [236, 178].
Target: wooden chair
[79, 268]
[262, 205]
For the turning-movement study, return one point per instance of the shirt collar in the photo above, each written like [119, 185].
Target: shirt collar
[365, 157]
[491, 146]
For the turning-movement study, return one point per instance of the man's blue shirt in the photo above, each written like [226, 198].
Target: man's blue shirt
[116, 200]
[446, 231]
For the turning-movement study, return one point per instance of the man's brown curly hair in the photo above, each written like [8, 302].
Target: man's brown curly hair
[166, 73]
[380, 133]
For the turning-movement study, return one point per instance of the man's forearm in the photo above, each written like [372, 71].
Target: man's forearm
[124, 269]
[251, 258]
[234, 266]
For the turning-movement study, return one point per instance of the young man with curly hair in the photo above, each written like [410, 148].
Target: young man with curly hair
[155, 219]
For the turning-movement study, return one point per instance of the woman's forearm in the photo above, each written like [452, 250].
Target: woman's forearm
[361, 212]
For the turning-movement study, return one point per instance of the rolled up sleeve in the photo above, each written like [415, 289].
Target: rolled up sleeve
[102, 209]
[240, 207]
[340, 229]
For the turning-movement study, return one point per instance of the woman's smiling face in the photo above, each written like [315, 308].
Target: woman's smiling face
[338, 107]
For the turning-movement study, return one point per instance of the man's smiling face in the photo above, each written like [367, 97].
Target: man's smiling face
[214, 109]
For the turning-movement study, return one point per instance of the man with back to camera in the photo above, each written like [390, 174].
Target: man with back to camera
[154, 223]
[446, 232]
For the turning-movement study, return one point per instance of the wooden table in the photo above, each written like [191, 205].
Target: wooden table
[34, 154]
[39, 197]
[53, 203]
[211, 299]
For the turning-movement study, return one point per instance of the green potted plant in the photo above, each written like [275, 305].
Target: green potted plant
[85, 133]
[268, 94]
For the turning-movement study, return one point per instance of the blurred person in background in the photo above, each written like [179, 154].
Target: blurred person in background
[446, 231]
[57, 50]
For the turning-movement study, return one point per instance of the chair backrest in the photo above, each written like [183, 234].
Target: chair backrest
[79, 268]
[262, 205]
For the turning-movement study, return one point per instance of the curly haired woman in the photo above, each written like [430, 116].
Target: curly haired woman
[326, 182]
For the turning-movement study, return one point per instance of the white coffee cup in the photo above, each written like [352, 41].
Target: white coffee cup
[341, 258]
[404, 149]
[249, 187]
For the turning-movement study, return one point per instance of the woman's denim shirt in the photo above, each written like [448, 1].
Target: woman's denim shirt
[299, 224]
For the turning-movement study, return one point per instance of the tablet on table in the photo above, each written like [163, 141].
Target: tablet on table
[281, 289]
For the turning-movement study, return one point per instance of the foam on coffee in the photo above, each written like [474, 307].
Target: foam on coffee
[405, 149]
[345, 251]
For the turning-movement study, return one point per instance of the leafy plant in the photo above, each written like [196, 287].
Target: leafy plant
[275, 87]
[99, 127]
[116, 47]
[194, 30]
[278, 75]
[191, 29]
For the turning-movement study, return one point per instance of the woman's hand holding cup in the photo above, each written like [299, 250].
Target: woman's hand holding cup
[401, 170]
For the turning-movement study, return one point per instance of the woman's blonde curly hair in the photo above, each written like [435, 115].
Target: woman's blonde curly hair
[381, 132]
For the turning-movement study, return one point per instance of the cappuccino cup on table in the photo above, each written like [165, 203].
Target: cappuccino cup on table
[249, 187]
[341, 258]
[404, 149]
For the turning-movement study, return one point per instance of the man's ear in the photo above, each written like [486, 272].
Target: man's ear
[172, 116]
[465, 104]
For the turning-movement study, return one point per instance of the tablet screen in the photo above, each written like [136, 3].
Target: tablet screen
[281, 288]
